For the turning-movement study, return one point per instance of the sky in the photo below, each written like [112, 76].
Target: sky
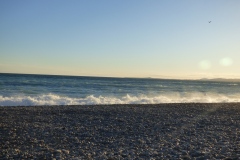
[121, 38]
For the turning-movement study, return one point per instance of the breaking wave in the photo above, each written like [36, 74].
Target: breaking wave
[53, 99]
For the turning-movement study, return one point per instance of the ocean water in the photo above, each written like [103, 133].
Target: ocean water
[31, 90]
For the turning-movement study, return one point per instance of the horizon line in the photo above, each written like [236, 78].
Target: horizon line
[147, 77]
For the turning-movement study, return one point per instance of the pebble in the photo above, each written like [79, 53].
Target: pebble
[65, 151]
[164, 131]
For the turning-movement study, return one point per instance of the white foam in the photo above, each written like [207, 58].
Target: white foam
[52, 99]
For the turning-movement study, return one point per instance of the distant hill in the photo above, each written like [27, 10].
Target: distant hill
[220, 80]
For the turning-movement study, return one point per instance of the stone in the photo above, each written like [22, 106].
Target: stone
[65, 151]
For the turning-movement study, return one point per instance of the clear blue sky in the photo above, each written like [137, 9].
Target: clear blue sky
[122, 38]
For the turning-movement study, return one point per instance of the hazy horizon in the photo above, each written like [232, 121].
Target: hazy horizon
[160, 78]
[158, 39]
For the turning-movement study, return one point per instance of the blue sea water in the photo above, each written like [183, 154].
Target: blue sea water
[31, 90]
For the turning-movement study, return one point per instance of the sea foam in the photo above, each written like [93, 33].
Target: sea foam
[53, 99]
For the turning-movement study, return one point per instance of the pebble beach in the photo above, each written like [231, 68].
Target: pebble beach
[156, 131]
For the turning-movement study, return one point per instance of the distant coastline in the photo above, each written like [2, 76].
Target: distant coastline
[180, 79]
[220, 80]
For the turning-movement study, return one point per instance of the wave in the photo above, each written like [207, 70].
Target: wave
[53, 99]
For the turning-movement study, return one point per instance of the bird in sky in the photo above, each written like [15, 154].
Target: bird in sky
[209, 21]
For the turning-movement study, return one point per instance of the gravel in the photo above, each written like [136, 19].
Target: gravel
[163, 131]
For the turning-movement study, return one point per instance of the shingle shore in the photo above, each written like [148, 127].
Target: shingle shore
[163, 131]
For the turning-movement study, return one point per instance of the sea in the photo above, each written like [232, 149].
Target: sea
[35, 90]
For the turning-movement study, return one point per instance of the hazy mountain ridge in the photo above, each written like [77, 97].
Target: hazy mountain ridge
[220, 80]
